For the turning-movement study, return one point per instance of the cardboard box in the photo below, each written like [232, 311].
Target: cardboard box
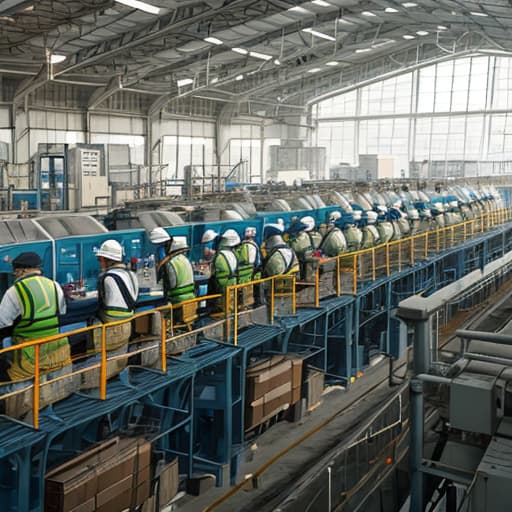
[112, 476]
[266, 376]
[254, 413]
[168, 483]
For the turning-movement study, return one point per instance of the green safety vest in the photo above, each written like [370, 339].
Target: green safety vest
[223, 274]
[182, 268]
[277, 264]
[39, 300]
[245, 265]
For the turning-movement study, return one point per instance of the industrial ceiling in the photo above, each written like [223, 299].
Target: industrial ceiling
[273, 55]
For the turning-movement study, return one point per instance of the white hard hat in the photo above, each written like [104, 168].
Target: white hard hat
[208, 236]
[382, 209]
[159, 236]
[250, 231]
[179, 242]
[309, 222]
[334, 216]
[231, 238]
[372, 217]
[111, 250]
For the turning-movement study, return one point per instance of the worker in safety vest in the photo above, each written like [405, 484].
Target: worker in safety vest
[249, 257]
[333, 241]
[117, 293]
[280, 259]
[224, 270]
[174, 268]
[30, 310]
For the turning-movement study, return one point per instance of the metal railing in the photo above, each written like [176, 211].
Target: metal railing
[354, 268]
[279, 286]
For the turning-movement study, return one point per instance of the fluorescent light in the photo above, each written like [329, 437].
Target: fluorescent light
[332, 63]
[408, 36]
[363, 50]
[214, 80]
[277, 62]
[409, 4]
[298, 8]
[383, 43]
[184, 81]
[239, 77]
[321, 3]
[442, 27]
[55, 58]
[390, 9]
[212, 40]
[142, 6]
[314, 70]
[345, 22]
[241, 51]
[422, 33]
[478, 13]
[367, 13]
[319, 34]
[262, 56]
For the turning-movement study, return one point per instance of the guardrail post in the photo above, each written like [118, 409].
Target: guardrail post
[103, 369]
[338, 276]
[235, 320]
[37, 383]
[163, 341]
[387, 260]
[354, 283]
[374, 271]
[272, 291]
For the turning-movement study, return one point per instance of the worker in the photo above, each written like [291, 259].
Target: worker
[280, 259]
[177, 274]
[333, 241]
[117, 294]
[249, 257]
[371, 236]
[353, 235]
[29, 310]
[224, 268]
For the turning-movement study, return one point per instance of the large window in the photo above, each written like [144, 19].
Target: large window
[440, 113]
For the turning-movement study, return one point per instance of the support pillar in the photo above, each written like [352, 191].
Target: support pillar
[416, 447]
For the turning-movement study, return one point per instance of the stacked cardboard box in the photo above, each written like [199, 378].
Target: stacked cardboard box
[314, 388]
[112, 476]
[272, 385]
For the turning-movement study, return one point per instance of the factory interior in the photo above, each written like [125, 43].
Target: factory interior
[255, 256]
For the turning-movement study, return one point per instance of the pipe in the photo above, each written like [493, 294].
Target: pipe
[433, 379]
[490, 337]
[421, 346]
[488, 359]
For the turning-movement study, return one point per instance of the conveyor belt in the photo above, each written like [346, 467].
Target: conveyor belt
[15, 436]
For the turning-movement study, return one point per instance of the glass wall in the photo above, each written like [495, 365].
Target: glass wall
[452, 110]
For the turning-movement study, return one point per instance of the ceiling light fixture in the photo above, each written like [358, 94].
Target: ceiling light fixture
[321, 3]
[478, 13]
[212, 40]
[319, 34]
[142, 6]
[409, 4]
[368, 13]
[241, 51]
[214, 80]
[422, 33]
[314, 70]
[239, 77]
[363, 50]
[390, 9]
[277, 62]
[56, 59]
[441, 27]
[408, 36]
[184, 81]
[332, 63]
[345, 22]
[262, 56]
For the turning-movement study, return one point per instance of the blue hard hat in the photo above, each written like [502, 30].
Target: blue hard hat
[296, 226]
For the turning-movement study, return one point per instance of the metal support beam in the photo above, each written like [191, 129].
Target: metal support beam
[100, 95]
[422, 346]
[489, 337]
[416, 448]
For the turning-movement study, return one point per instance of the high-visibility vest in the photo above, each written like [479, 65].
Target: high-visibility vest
[109, 313]
[224, 269]
[183, 272]
[282, 260]
[333, 243]
[40, 318]
[248, 256]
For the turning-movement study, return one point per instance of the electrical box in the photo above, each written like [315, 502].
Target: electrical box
[494, 478]
[88, 181]
[473, 403]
